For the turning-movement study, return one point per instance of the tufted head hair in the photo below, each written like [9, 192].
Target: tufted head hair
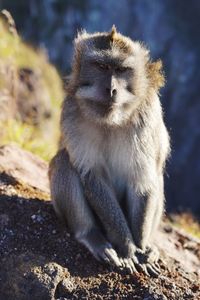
[113, 44]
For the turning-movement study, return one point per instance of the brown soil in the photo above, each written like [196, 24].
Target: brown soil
[30, 230]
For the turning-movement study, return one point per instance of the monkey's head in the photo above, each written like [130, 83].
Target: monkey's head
[111, 76]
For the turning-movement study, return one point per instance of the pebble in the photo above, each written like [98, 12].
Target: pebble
[33, 217]
[37, 218]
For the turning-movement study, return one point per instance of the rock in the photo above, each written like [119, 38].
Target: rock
[24, 167]
[40, 260]
[27, 277]
[188, 259]
[33, 103]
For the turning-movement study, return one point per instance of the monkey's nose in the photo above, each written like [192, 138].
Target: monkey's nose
[112, 92]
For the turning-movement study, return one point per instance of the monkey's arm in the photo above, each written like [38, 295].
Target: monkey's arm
[144, 213]
[70, 204]
[103, 201]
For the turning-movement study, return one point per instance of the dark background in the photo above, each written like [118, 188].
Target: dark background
[170, 29]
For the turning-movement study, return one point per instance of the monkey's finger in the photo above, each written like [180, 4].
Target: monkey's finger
[122, 262]
[133, 268]
[135, 260]
[157, 265]
[156, 268]
[162, 261]
[104, 259]
[129, 265]
[152, 271]
[142, 269]
[113, 257]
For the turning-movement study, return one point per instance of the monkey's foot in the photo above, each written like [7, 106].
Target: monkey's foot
[105, 253]
[101, 249]
[131, 264]
[138, 264]
[148, 261]
[152, 254]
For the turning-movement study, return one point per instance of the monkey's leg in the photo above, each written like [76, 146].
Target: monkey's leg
[141, 212]
[103, 201]
[152, 250]
[159, 209]
[71, 205]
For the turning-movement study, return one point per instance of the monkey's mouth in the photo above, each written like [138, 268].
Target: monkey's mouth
[85, 84]
[102, 107]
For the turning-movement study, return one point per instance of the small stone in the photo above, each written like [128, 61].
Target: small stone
[188, 292]
[33, 217]
[65, 286]
[78, 256]
[195, 288]
[37, 218]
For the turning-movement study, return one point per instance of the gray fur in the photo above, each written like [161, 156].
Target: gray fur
[107, 179]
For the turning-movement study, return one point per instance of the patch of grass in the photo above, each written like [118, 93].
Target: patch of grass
[29, 138]
[187, 222]
[13, 49]
[15, 54]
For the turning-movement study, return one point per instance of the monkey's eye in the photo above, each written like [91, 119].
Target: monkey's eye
[85, 84]
[103, 67]
[121, 69]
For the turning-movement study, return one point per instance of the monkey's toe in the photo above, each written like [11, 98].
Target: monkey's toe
[112, 256]
[107, 255]
[153, 270]
[148, 269]
[149, 255]
[147, 262]
[152, 254]
[129, 265]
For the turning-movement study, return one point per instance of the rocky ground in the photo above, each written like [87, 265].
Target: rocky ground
[39, 259]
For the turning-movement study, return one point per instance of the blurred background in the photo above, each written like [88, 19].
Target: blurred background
[31, 76]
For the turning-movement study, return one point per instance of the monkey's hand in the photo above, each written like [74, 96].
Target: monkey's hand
[148, 261]
[129, 258]
[152, 254]
[136, 260]
[105, 253]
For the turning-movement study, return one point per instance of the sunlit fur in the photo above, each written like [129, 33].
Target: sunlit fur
[126, 132]
[146, 77]
[123, 137]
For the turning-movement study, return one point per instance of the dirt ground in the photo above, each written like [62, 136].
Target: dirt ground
[39, 259]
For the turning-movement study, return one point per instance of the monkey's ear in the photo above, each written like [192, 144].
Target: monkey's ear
[113, 32]
[156, 74]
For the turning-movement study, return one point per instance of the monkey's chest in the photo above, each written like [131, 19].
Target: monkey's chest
[128, 163]
[119, 163]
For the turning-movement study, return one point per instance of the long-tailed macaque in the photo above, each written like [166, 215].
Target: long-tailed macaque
[107, 176]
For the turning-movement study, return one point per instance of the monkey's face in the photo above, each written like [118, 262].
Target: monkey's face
[108, 88]
[110, 76]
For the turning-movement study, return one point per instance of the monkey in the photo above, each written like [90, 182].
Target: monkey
[106, 179]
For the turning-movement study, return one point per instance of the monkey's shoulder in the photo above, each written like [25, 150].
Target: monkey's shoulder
[131, 149]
